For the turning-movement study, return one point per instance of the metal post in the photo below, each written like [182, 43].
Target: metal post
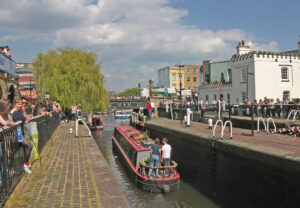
[252, 120]
[139, 86]
[180, 100]
[229, 112]
[247, 85]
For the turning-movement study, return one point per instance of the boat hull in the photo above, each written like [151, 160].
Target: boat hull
[96, 127]
[144, 183]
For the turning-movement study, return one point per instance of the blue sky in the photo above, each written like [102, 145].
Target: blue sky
[134, 38]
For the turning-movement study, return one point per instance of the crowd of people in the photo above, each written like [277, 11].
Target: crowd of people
[116, 97]
[5, 50]
[267, 107]
[23, 111]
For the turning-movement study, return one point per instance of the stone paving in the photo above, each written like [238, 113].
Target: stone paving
[276, 141]
[73, 174]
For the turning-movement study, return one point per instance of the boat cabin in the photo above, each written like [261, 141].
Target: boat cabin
[133, 143]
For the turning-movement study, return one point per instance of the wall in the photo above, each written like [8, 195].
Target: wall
[268, 76]
[232, 173]
[216, 68]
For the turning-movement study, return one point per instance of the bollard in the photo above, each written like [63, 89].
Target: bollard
[188, 116]
[210, 123]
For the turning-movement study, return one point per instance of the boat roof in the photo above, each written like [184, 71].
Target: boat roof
[128, 132]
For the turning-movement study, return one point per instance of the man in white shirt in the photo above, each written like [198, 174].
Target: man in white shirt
[166, 155]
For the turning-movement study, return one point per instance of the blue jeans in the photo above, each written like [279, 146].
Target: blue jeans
[155, 161]
[149, 114]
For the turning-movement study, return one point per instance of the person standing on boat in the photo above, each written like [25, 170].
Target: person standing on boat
[149, 108]
[166, 155]
[155, 152]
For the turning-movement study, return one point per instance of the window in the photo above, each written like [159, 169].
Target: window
[228, 98]
[230, 75]
[188, 79]
[195, 70]
[206, 97]
[284, 74]
[188, 70]
[174, 77]
[244, 96]
[286, 94]
[243, 75]
[215, 96]
[221, 95]
[195, 79]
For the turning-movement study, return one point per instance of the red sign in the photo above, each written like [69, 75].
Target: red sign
[26, 93]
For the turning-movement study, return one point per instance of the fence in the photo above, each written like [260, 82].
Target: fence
[12, 154]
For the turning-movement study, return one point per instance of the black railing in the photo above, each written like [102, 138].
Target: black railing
[12, 154]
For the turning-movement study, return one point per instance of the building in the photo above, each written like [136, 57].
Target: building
[8, 79]
[26, 80]
[256, 75]
[192, 77]
[170, 77]
[219, 72]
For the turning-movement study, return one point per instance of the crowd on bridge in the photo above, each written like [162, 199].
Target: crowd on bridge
[116, 97]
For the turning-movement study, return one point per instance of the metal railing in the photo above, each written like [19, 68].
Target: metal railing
[12, 154]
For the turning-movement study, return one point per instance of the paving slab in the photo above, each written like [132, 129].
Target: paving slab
[74, 173]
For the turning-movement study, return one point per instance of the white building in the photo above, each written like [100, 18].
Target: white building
[256, 75]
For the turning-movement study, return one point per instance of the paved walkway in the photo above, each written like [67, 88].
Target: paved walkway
[276, 141]
[74, 174]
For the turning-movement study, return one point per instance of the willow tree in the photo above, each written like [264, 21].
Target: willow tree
[71, 76]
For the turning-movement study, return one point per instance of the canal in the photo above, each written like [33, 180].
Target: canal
[187, 196]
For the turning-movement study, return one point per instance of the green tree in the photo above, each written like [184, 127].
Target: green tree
[129, 92]
[71, 76]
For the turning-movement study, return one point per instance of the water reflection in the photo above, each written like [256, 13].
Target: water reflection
[185, 197]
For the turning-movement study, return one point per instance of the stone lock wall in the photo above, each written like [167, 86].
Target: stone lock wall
[232, 174]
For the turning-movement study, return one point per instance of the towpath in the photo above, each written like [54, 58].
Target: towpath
[74, 173]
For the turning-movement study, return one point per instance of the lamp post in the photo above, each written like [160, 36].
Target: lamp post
[180, 88]
[150, 89]
[139, 86]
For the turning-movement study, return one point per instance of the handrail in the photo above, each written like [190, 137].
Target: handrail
[160, 167]
[77, 121]
[261, 118]
[292, 111]
[216, 127]
[268, 125]
[294, 119]
[230, 129]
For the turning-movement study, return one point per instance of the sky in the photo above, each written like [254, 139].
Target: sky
[135, 38]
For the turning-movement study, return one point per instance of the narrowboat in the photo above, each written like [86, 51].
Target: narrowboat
[96, 123]
[133, 150]
[123, 114]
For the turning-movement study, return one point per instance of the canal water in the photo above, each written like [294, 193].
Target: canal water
[187, 196]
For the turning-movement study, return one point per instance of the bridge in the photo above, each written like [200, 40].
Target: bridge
[128, 103]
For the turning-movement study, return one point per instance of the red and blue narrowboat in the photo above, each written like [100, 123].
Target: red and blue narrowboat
[96, 123]
[132, 150]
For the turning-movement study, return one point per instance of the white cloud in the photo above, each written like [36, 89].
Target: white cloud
[133, 38]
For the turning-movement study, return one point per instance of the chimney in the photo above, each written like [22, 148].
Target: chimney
[242, 48]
